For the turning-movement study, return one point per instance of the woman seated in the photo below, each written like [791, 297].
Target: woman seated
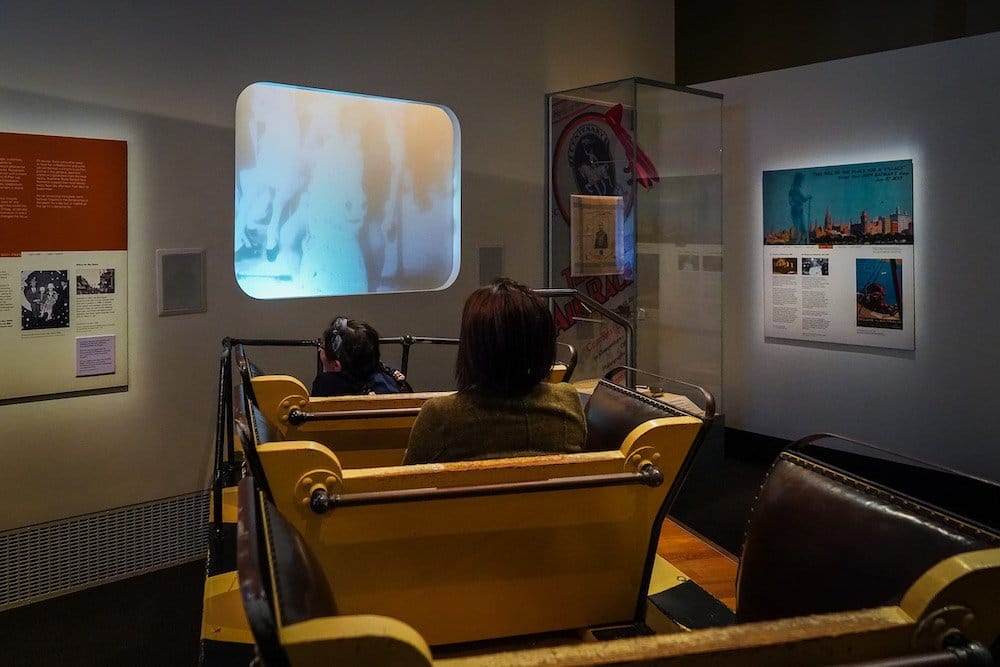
[502, 408]
[351, 362]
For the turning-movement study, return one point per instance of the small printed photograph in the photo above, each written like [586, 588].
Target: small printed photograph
[95, 281]
[599, 235]
[711, 263]
[815, 266]
[45, 299]
[687, 262]
[784, 265]
[880, 293]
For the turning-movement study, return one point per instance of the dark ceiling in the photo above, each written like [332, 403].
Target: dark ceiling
[718, 39]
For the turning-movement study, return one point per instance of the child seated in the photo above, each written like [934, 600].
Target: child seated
[351, 363]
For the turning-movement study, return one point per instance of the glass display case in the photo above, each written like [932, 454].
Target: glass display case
[634, 220]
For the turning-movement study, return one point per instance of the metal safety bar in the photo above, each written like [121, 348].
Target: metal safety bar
[408, 341]
[223, 464]
[593, 304]
[297, 416]
[321, 502]
[972, 653]
[706, 397]
[272, 342]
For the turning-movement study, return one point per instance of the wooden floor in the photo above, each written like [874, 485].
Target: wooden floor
[703, 563]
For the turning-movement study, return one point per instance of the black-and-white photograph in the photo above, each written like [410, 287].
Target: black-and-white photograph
[687, 262]
[815, 266]
[95, 281]
[45, 302]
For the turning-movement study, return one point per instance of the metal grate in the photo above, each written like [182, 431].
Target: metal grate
[50, 559]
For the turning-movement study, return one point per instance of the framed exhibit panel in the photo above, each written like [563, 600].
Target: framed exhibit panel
[635, 221]
[339, 193]
[838, 254]
[63, 265]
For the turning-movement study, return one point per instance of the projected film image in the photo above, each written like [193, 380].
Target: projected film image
[338, 194]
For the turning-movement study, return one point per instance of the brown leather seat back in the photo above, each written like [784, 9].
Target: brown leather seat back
[302, 590]
[821, 539]
[241, 421]
[613, 411]
[255, 576]
[280, 581]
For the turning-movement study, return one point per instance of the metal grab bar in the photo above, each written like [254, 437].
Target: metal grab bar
[967, 654]
[571, 362]
[322, 502]
[593, 304]
[706, 396]
[271, 342]
[409, 341]
[297, 416]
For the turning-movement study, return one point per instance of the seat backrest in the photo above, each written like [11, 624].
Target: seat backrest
[499, 562]
[362, 441]
[255, 576]
[827, 534]
[281, 582]
[613, 411]
[241, 422]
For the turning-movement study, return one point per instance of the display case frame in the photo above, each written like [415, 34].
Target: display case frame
[657, 147]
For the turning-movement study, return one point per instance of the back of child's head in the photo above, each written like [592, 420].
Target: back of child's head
[354, 344]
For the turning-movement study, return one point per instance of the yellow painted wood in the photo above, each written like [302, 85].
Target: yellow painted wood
[223, 617]
[557, 372]
[230, 507]
[476, 568]
[359, 641]
[970, 580]
[358, 443]
[810, 640]
[665, 576]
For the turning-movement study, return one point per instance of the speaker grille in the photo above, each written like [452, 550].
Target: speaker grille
[50, 559]
[181, 281]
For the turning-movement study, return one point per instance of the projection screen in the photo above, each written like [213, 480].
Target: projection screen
[339, 193]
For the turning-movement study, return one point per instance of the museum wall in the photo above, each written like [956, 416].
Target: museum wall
[937, 105]
[166, 81]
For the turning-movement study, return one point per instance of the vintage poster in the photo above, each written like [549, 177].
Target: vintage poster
[597, 235]
[63, 263]
[594, 154]
[838, 254]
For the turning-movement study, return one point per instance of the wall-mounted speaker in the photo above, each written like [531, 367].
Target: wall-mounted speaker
[490, 263]
[180, 281]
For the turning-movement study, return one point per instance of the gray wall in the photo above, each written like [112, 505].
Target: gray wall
[166, 80]
[937, 104]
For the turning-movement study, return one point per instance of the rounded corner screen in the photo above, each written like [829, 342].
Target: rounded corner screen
[338, 193]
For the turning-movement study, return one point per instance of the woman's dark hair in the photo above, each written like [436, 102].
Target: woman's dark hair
[508, 340]
[354, 344]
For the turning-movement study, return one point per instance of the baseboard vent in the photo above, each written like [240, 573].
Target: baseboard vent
[51, 559]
